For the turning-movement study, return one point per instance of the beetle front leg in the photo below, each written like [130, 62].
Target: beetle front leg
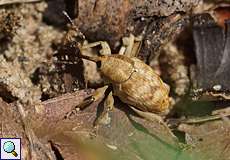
[105, 49]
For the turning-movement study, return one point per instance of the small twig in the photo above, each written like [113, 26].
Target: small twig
[204, 119]
[5, 2]
[217, 114]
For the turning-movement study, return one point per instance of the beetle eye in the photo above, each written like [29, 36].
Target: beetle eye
[98, 64]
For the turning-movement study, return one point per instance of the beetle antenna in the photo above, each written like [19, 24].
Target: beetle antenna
[73, 25]
[68, 17]
[94, 59]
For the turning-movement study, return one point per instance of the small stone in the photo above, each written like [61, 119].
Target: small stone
[217, 87]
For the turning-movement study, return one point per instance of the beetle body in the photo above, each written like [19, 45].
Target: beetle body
[135, 83]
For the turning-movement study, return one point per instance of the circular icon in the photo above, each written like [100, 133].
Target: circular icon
[9, 147]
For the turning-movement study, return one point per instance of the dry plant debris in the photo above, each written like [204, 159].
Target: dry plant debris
[53, 128]
[110, 20]
[50, 123]
[209, 140]
[12, 125]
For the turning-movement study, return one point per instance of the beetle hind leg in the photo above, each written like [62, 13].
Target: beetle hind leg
[153, 118]
[105, 49]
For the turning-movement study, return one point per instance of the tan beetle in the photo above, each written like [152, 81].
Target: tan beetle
[133, 81]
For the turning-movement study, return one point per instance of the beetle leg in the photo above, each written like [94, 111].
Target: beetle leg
[131, 46]
[153, 117]
[109, 102]
[108, 105]
[104, 118]
[105, 49]
[99, 93]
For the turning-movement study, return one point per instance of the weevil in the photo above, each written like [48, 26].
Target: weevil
[133, 81]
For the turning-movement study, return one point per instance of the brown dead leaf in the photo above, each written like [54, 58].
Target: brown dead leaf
[210, 140]
[126, 130]
[75, 136]
[12, 126]
[47, 118]
[127, 137]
